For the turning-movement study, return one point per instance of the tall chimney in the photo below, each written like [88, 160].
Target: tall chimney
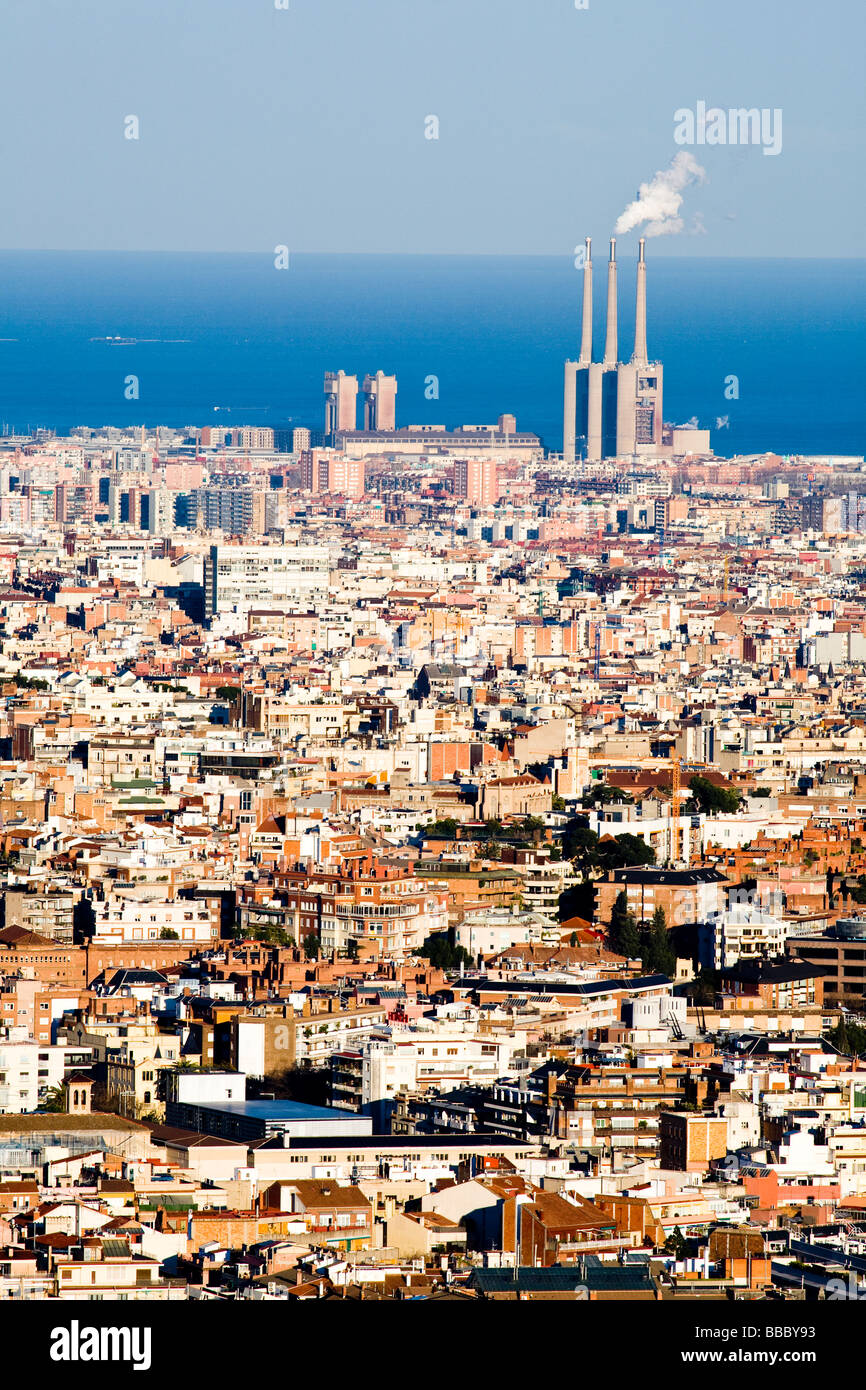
[610, 345]
[640, 358]
[586, 326]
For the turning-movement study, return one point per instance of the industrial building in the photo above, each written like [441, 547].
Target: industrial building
[613, 409]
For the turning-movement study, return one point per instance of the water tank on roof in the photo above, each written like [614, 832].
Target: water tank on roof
[850, 929]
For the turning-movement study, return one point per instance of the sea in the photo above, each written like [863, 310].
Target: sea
[767, 354]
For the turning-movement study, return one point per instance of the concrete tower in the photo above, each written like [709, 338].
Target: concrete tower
[640, 354]
[576, 380]
[586, 324]
[610, 342]
[639, 385]
[341, 393]
[380, 402]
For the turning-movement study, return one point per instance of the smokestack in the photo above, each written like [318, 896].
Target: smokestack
[610, 346]
[640, 357]
[586, 326]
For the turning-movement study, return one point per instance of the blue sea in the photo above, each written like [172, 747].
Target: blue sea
[230, 339]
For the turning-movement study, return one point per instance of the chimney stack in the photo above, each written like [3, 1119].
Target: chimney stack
[610, 343]
[640, 355]
[586, 325]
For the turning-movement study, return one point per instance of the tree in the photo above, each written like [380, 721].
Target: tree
[624, 935]
[558, 803]
[312, 946]
[310, 1085]
[711, 799]
[168, 934]
[625, 852]
[600, 794]
[534, 827]
[445, 829]
[55, 1101]
[702, 989]
[590, 852]
[580, 844]
[442, 954]
[847, 1038]
[657, 955]
[676, 1244]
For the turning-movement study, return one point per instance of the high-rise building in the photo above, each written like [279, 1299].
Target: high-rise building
[341, 394]
[326, 470]
[611, 408]
[380, 402]
[300, 439]
[75, 502]
[234, 510]
[262, 576]
[159, 505]
[476, 481]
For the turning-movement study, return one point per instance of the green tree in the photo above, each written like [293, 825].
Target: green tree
[600, 794]
[848, 1038]
[312, 946]
[676, 1244]
[168, 934]
[55, 1101]
[443, 954]
[445, 829]
[711, 799]
[580, 844]
[624, 935]
[657, 955]
[625, 852]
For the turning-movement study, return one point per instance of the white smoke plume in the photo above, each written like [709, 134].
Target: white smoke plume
[658, 202]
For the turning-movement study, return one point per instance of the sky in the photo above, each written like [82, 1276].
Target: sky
[307, 127]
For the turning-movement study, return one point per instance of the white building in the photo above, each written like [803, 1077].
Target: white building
[741, 932]
[28, 1070]
[495, 929]
[247, 576]
[122, 920]
[439, 1059]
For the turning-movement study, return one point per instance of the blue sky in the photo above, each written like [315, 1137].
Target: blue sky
[306, 126]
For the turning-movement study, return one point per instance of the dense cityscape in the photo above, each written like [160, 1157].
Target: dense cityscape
[432, 684]
[432, 865]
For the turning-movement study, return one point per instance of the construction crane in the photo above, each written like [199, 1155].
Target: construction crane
[676, 801]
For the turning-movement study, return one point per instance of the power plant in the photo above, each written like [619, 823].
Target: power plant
[612, 409]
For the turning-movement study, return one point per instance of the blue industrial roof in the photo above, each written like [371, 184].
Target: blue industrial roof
[273, 1109]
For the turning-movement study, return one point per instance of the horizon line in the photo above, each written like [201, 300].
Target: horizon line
[476, 255]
